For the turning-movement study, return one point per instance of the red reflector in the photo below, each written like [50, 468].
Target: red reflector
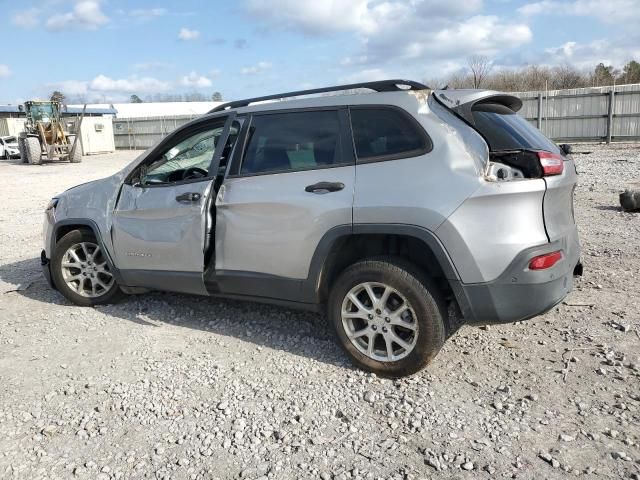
[547, 260]
[552, 163]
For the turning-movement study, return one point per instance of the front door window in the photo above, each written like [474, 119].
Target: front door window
[188, 159]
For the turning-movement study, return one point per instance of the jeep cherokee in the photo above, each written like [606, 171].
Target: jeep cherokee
[402, 213]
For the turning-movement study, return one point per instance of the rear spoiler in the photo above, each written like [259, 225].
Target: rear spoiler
[461, 102]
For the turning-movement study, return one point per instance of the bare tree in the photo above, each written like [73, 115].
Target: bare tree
[480, 67]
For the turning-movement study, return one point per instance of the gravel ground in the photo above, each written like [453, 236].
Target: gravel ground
[175, 386]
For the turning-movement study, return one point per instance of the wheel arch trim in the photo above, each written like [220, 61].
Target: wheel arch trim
[319, 264]
[91, 225]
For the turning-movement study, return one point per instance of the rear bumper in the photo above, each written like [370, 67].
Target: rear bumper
[46, 269]
[520, 293]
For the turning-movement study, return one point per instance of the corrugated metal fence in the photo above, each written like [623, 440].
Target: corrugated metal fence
[142, 133]
[585, 114]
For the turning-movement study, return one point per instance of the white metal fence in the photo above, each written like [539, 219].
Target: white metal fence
[142, 133]
[586, 114]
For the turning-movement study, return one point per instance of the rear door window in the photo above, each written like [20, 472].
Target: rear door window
[384, 133]
[503, 129]
[280, 142]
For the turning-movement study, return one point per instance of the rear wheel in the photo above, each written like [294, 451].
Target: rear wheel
[77, 153]
[33, 150]
[81, 272]
[388, 316]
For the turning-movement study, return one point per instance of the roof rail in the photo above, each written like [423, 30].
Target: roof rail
[379, 86]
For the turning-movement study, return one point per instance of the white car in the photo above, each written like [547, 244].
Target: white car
[9, 147]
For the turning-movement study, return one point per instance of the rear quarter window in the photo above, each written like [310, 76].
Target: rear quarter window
[503, 129]
[385, 133]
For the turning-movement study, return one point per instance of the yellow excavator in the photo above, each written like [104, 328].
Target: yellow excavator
[44, 136]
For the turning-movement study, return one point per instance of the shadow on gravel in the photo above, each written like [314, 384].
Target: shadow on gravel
[18, 161]
[611, 208]
[297, 332]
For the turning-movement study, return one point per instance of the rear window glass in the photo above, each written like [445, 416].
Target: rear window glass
[380, 133]
[292, 141]
[506, 130]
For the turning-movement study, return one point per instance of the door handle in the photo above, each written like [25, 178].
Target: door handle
[324, 187]
[188, 197]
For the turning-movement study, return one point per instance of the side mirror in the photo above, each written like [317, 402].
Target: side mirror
[566, 149]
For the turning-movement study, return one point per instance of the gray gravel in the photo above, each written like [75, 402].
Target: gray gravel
[175, 386]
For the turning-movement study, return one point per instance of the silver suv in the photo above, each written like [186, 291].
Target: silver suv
[402, 213]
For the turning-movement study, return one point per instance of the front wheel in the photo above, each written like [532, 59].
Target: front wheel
[33, 150]
[81, 272]
[388, 316]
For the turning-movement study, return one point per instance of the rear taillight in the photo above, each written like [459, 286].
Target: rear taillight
[545, 261]
[552, 163]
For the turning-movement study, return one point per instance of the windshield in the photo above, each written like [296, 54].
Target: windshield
[9, 140]
[42, 113]
[506, 130]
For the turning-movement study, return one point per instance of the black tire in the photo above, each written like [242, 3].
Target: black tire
[112, 295]
[33, 150]
[22, 149]
[77, 153]
[421, 294]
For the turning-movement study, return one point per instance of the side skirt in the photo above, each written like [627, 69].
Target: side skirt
[242, 286]
[181, 282]
[260, 287]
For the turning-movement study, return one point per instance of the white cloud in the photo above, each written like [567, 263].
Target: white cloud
[133, 84]
[70, 87]
[486, 35]
[186, 34]
[258, 68]
[101, 85]
[193, 80]
[86, 14]
[27, 18]
[399, 32]
[587, 55]
[610, 11]
[359, 16]
[5, 71]
[105, 87]
[148, 13]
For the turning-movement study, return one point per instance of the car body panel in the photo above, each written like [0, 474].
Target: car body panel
[462, 101]
[421, 197]
[270, 224]
[558, 202]
[94, 201]
[154, 231]
[493, 226]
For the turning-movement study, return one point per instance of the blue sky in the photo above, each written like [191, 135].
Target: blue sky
[106, 50]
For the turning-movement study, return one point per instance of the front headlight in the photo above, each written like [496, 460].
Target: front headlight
[52, 204]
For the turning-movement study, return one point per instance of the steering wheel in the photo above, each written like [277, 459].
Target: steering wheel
[194, 172]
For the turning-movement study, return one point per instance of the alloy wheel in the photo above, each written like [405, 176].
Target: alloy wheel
[379, 321]
[85, 270]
